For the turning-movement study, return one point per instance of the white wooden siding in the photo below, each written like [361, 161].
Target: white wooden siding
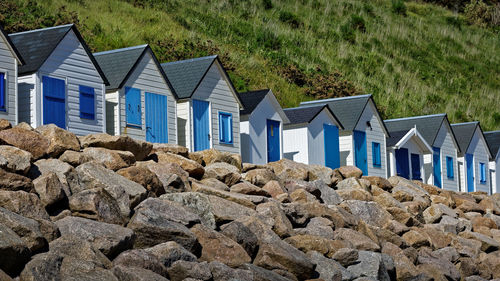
[316, 139]
[69, 61]
[216, 90]
[27, 98]
[477, 147]
[254, 150]
[493, 172]
[245, 141]
[295, 146]
[147, 78]
[346, 148]
[112, 122]
[8, 65]
[183, 123]
[445, 142]
[376, 134]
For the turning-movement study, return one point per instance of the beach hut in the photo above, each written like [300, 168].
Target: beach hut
[493, 140]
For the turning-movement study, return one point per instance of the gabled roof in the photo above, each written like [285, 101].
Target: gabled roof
[11, 45]
[119, 64]
[400, 138]
[348, 109]
[464, 133]
[306, 114]
[493, 140]
[37, 45]
[395, 137]
[252, 99]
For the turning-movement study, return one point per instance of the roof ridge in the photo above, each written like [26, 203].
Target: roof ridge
[336, 99]
[415, 117]
[120, 50]
[254, 91]
[465, 123]
[492, 132]
[41, 29]
[304, 107]
[189, 60]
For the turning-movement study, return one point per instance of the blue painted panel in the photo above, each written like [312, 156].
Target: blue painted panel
[133, 106]
[377, 161]
[469, 163]
[201, 125]
[436, 164]
[402, 163]
[360, 158]
[54, 105]
[332, 150]
[3, 93]
[415, 167]
[156, 118]
[449, 167]
[87, 102]
[225, 128]
[273, 141]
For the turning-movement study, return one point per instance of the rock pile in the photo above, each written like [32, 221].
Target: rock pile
[104, 207]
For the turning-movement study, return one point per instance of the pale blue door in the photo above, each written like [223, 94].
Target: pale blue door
[436, 164]
[201, 125]
[54, 105]
[332, 154]
[469, 163]
[360, 151]
[273, 141]
[156, 118]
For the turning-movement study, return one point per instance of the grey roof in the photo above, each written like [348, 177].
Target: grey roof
[493, 140]
[9, 41]
[251, 100]
[186, 75]
[347, 109]
[36, 46]
[305, 114]
[395, 137]
[427, 125]
[464, 133]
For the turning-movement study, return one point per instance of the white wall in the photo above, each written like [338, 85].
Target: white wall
[26, 98]
[316, 138]
[346, 148]
[493, 176]
[295, 145]
[444, 141]
[8, 65]
[184, 123]
[477, 147]
[216, 90]
[112, 114]
[147, 78]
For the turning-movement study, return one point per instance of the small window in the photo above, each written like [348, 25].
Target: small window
[3, 92]
[449, 167]
[225, 128]
[482, 171]
[133, 107]
[376, 154]
[87, 102]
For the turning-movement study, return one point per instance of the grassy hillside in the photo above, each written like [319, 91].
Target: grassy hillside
[415, 58]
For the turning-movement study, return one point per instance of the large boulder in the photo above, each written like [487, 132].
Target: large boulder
[161, 209]
[27, 229]
[260, 177]
[300, 213]
[171, 175]
[223, 272]
[317, 226]
[75, 158]
[4, 124]
[242, 235]
[371, 212]
[66, 173]
[405, 269]
[261, 274]
[487, 243]
[231, 196]
[370, 265]
[349, 172]
[97, 204]
[144, 177]
[134, 273]
[445, 267]
[24, 204]
[320, 172]
[111, 159]
[72, 246]
[218, 247]
[140, 258]
[272, 214]
[307, 243]
[359, 241]
[13, 251]
[249, 189]
[170, 148]
[436, 211]
[186, 270]
[224, 172]
[194, 169]
[14, 182]
[60, 140]
[225, 210]
[110, 239]
[140, 149]
[288, 169]
[15, 160]
[329, 269]
[210, 156]
[170, 252]
[27, 140]
[50, 189]
[197, 203]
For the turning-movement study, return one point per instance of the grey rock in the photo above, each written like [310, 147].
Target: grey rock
[272, 214]
[140, 149]
[171, 175]
[27, 229]
[445, 266]
[359, 240]
[170, 252]
[14, 182]
[371, 212]
[75, 158]
[167, 210]
[74, 247]
[198, 203]
[223, 172]
[447, 253]
[328, 195]
[97, 204]
[329, 269]
[181, 270]
[261, 274]
[50, 189]
[126, 273]
[319, 227]
[111, 159]
[370, 265]
[15, 160]
[13, 251]
[346, 256]
[215, 183]
[222, 272]
[436, 211]
[23, 203]
[66, 173]
[242, 235]
[142, 259]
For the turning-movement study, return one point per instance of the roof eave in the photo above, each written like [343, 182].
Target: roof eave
[12, 47]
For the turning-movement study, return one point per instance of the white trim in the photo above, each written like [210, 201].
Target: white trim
[414, 133]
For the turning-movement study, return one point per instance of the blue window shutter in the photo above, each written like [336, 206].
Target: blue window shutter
[225, 127]
[87, 102]
[377, 162]
[482, 168]
[133, 106]
[3, 93]
[449, 167]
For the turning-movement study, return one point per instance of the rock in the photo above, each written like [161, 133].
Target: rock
[307, 243]
[261, 274]
[300, 195]
[223, 172]
[97, 204]
[466, 247]
[170, 148]
[170, 252]
[487, 243]
[242, 235]
[325, 174]
[111, 159]
[405, 269]
[225, 210]
[15, 160]
[23, 203]
[66, 173]
[447, 253]
[60, 140]
[140, 149]
[211, 156]
[152, 225]
[300, 213]
[26, 140]
[437, 238]
[359, 241]
[386, 200]
[329, 269]
[197, 203]
[140, 258]
[288, 169]
[317, 226]
[292, 185]
[181, 270]
[171, 175]
[415, 239]
[50, 189]
[379, 182]
[349, 172]
[355, 194]
[27, 229]
[327, 194]
[144, 177]
[470, 206]
[13, 251]
[274, 189]
[215, 183]
[436, 211]
[353, 183]
[370, 265]
[346, 256]
[126, 192]
[72, 246]
[371, 212]
[231, 196]
[110, 239]
[75, 158]
[223, 272]
[480, 222]
[14, 182]
[194, 169]
[125, 273]
[260, 177]
[276, 218]
[218, 247]
[446, 268]
[249, 189]
[4, 124]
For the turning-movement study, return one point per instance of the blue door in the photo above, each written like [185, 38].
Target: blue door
[415, 167]
[469, 162]
[54, 105]
[436, 164]
[402, 163]
[332, 154]
[201, 125]
[156, 118]
[273, 141]
[360, 151]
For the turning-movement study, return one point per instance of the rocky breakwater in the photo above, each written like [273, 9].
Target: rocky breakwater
[104, 207]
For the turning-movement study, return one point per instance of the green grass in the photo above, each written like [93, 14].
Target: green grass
[414, 58]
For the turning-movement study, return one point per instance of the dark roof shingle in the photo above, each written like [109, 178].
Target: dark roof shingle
[395, 137]
[9, 41]
[464, 133]
[427, 125]
[303, 114]
[251, 100]
[493, 140]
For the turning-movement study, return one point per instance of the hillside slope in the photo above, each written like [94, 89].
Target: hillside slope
[420, 61]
